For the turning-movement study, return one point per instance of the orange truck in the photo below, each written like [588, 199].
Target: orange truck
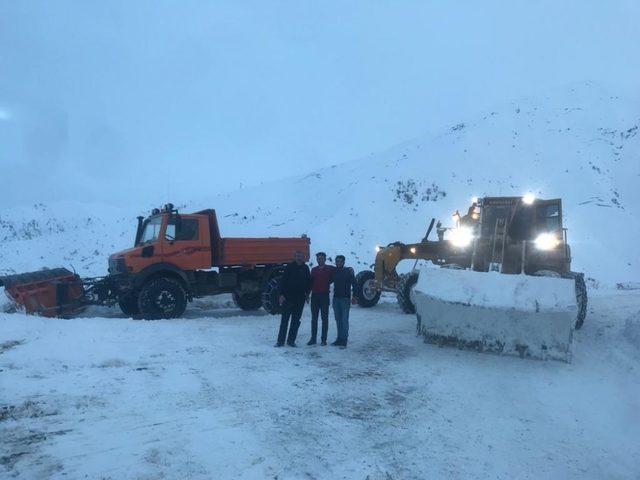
[175, 258]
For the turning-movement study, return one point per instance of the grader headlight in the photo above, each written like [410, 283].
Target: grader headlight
[546, 241]
[461, 237]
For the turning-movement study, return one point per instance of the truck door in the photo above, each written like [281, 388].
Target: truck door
[185, 244]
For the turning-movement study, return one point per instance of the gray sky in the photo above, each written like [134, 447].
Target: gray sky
[132, 101]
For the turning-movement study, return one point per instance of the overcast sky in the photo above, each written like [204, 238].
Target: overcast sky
[137, 100]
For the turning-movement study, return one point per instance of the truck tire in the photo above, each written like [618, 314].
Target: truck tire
[162, 298]
[270, 300]
[581, 297]
[248, 301]
[366, 292]
[129, 304]
[403, 293]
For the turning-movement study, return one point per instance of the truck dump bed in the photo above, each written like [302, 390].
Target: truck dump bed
[261, 251]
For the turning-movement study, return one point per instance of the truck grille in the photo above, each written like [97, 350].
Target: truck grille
[117, 265]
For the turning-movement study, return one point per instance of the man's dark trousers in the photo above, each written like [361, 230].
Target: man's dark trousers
[291, 309]
[319, 305]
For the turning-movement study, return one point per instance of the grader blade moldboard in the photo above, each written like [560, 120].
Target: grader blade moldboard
[49, 293]
[520, 315]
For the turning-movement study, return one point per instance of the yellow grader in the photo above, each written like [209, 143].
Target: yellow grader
[523, 241]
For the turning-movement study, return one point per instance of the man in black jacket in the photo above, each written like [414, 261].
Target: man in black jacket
[295, 286]
[344, 283]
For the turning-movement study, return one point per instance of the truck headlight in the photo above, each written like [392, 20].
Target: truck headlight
[378, 248]
[461, 237]
[546, 241]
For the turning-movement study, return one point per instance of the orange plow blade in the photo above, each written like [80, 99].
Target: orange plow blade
[49, 293]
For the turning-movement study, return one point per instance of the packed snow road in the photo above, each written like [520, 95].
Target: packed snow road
[209, 397]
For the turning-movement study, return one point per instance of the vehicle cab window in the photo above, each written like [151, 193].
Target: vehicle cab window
[549, 217]
[151, 230]
[184, 230]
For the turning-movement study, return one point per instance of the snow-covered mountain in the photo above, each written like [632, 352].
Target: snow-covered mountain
[580, 143]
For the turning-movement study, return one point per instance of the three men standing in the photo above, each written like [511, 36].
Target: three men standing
[296, 284]
[320, 283]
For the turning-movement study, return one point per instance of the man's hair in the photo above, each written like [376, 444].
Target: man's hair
[321, 254]
[338, 257]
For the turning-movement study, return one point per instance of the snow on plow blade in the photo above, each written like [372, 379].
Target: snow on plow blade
[508, 314]
[49, 293]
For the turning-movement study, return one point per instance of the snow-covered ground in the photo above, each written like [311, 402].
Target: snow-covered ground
[207, 396]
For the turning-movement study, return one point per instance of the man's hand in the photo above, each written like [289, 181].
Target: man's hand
[354, 300]
[281, 300]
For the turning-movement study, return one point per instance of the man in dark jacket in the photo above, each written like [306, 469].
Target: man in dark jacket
[320, 283]
[344, 282]
[294, 290]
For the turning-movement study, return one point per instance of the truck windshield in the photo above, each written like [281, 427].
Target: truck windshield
[151, 230]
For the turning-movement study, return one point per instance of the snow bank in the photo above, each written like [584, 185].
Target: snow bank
[509, 314]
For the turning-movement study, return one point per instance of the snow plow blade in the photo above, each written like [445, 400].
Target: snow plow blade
[49, 293]
[525, 316]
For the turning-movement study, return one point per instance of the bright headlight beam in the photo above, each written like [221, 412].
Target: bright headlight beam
[461, 237]
[546, 241]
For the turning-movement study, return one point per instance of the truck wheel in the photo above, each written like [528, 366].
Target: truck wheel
[366, 292]
[248, 301]
[403, 294]
[129, 304]
[581, 297]
[162, 298]
[270, 296]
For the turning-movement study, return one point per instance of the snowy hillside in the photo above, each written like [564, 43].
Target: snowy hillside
[580, 143]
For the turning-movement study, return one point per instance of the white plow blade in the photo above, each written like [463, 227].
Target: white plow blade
[509, 314]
